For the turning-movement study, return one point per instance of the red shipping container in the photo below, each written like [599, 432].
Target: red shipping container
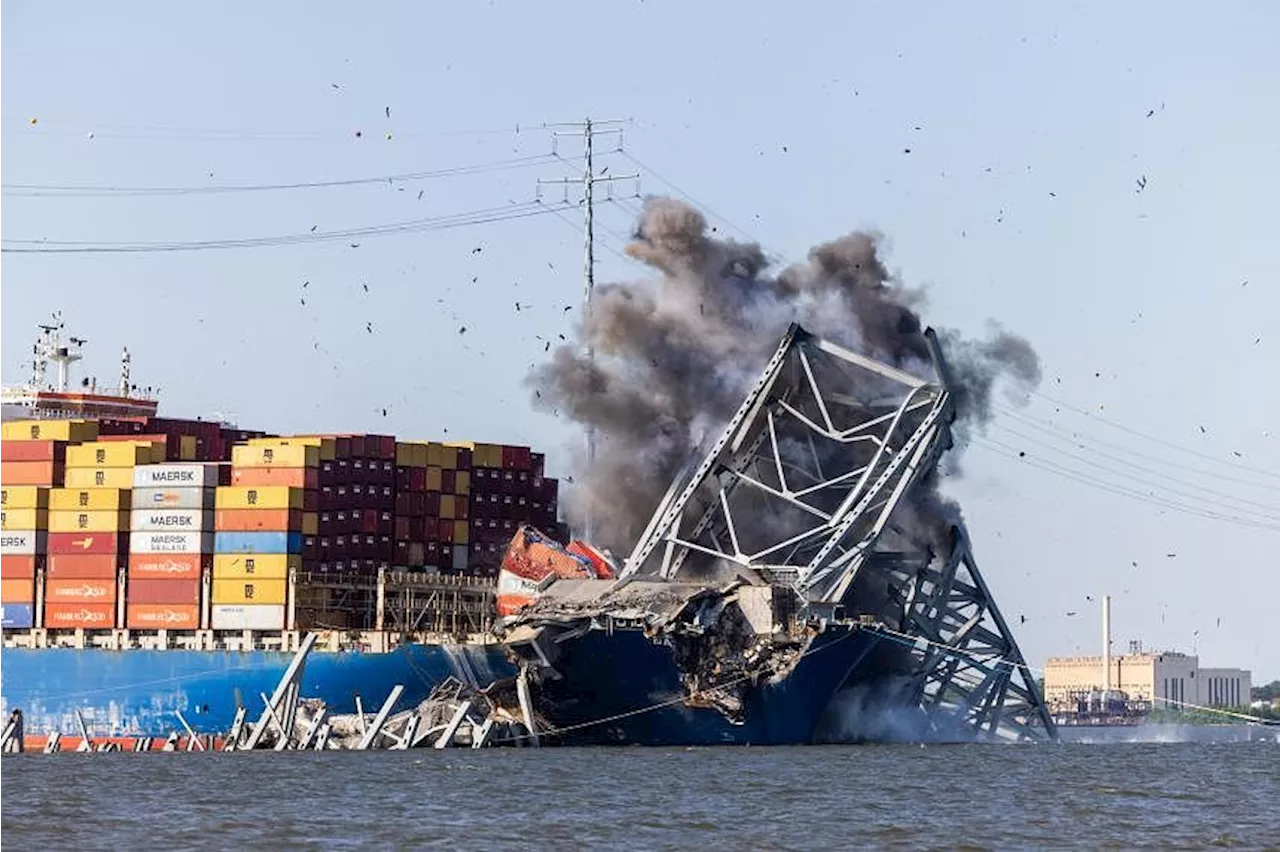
[30, 451]
[257, 520]
[85, 591]
[98, 543]
[357, 446]
[166, 566]
[162, 616]
[65, 616]
[448, 481]
[17, 567]
[31, 472]
[93, 566]
[402, 528]
[380, 446]
[445, 529]
[163, 592]
[464, 458]
[122, 426]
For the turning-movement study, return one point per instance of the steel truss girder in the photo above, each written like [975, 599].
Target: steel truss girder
[879, 429]
[836, 440]
[966, 663]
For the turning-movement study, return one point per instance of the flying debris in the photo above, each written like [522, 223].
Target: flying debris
[477, 249]
[567, 308]
[420, 194]
[355, 245]
[462, 330]
[388, 111]
[368, 327]
[1142, 183]
[313, 229]
[305, 283]
[365, 286]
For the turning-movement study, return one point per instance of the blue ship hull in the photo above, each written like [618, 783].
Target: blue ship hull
[634, 683]
[136, 692]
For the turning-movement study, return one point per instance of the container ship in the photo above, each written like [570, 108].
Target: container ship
[153, 565]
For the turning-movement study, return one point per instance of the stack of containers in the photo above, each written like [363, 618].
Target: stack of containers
[88, 533]
[449, 475]
[411, 504]
[260, 522]
[32, 460]
[23, 537]
[508, 489]
[171, 544]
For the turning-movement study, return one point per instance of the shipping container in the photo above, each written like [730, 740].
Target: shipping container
[297, 455]
[266, 566]
[261, 497]
[90, 543]
[258, 542]
[99, 477]
[24, 497]
[44, 473]
[17, 616]
[166, 566]
[84, 566]
[325, 447]
[176, 476]
[115, 454]
[20, 451]
[171, 542]
[461, 532]
[145, 591]
[85, 591]
[49, 430]
[267, 520]
[24, 519]
[17, 567]
[17, 590]
[90, 499]
[24, 542]
[250, 617]
[65, 616]
[162, 616]
[255, 591]
[176, 520]
[173, 498]
[74, 522]
[290, 477]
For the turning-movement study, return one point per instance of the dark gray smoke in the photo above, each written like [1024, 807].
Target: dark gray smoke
[674, 356]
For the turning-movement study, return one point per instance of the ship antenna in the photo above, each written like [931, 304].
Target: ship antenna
[124, 371]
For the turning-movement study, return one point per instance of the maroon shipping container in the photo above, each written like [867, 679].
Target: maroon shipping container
[122, 425]
[448, 481]
[464, 458]
[357, 446]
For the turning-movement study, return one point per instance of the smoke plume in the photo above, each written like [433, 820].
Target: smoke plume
[674, 356]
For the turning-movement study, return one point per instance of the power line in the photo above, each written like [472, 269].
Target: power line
[161, 133]
[1050, 427]
[1086, 413]
[1050, 467]
[77, 191]
[1198, 495]
[438, 223]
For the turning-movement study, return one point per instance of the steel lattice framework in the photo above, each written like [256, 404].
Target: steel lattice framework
[811, 485]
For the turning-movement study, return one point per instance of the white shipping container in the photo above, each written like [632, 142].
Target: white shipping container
[460, 557]
[175, 476]
[173, 498]
[23, 542]
[248, 617]
[151, 541]
[171, 520]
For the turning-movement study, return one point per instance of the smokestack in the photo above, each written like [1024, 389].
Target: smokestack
[1106, 645]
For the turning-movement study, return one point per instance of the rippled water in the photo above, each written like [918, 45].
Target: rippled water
[976, 796]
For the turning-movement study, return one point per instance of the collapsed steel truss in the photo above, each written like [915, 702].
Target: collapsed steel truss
[814, 468]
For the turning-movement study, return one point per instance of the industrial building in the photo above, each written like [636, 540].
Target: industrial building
[1109, 688]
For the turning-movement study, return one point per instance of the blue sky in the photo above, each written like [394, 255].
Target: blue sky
[1019, 199]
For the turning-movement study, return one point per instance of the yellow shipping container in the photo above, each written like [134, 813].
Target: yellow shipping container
[462, 482]
[486, 455]
[49, 430]
[249, 591]
[461, 532]
[99, 477]
[188, 448]
[24, 519]
[278, 455]
[448, 506]
[259, 496]
[328, 447]
[439, 455]
[62, 522]
[115, 454]
[254, 566]
[92, 499]
[24, 497]
[433, 478]
[411, 454]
